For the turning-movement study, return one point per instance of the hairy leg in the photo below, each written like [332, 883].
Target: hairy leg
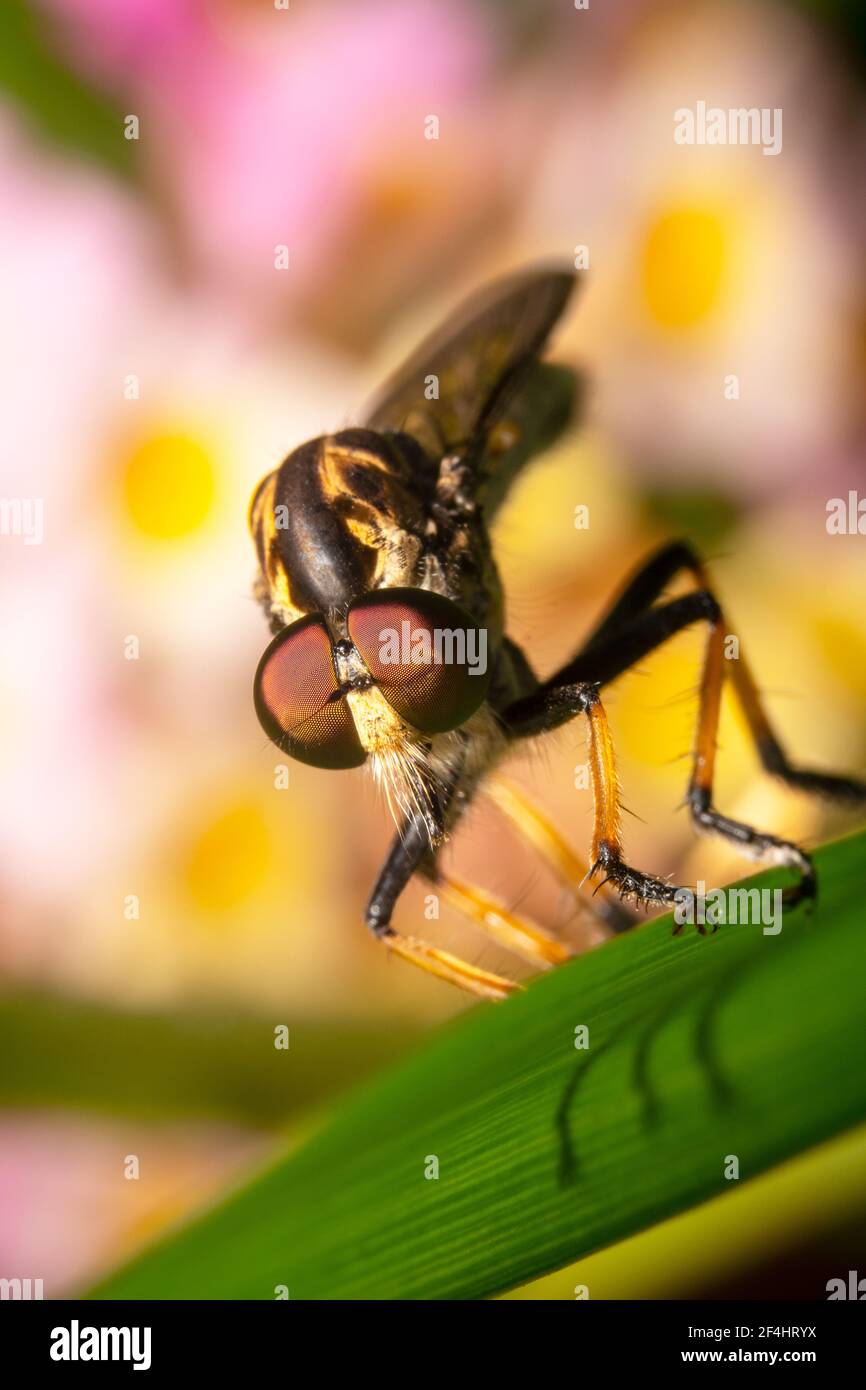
[631, 629]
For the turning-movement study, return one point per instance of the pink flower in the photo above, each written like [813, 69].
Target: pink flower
[276, 128]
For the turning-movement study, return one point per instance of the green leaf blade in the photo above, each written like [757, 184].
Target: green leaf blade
[700, 1048]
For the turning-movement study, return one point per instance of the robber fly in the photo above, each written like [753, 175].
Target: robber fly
[378, 577]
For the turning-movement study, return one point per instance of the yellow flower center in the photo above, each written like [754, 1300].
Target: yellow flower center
[683, 266]
[230, 860]
[168, 486]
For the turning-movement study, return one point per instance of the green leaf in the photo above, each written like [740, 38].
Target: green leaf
[700, 1048]
[158, 1065]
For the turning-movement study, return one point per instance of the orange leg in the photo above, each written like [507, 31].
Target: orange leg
[515, 932]
[448, 967]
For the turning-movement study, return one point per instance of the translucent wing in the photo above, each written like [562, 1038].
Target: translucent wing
[456, 385]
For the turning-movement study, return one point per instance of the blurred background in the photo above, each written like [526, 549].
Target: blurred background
[165, 905]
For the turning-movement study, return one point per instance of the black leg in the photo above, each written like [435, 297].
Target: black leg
[408, 848]
[645, 586]
[630, 630]
[409, 852]
[551, 704]
[642, 590]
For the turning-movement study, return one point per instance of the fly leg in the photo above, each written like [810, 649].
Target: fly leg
[513, 931]
[409, 852]
[538, 830]
[632, 629]
[641, 591]
[550, 707]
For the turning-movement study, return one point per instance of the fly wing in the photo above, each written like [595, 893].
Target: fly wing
[473, 364]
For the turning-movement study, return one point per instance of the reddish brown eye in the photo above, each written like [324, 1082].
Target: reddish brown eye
[426, 654]
[298, 701]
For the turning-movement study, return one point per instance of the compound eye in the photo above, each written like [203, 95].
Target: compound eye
[426, 654]
[298, 701]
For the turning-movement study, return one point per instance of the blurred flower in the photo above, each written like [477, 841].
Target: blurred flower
[73, 255]
[235, 127]
[145, 492]
[712, 262]
[66, 1209]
